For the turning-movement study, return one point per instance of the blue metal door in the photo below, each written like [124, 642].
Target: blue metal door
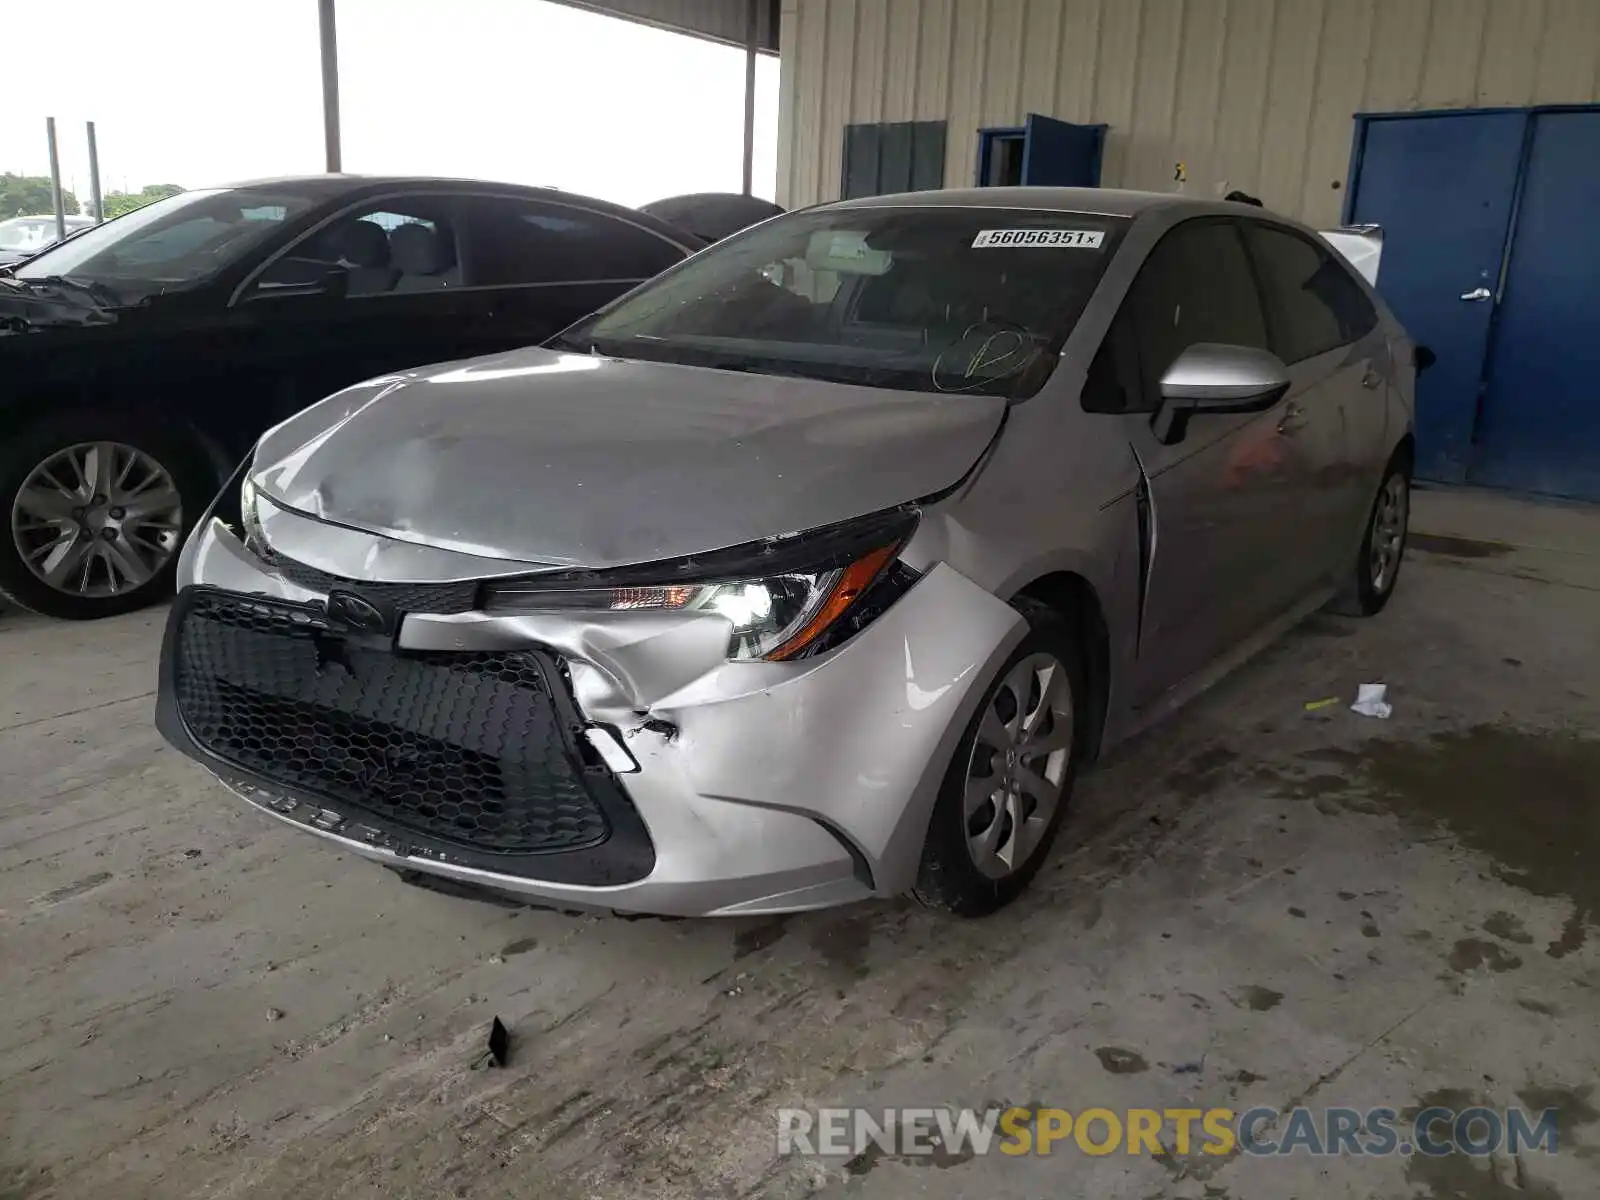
[1442, 188]
[1061, 154]
[1541, 418]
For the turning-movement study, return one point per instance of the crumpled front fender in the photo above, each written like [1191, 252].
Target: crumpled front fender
[859, 738]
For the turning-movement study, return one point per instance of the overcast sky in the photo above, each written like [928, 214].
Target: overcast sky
[197, 92]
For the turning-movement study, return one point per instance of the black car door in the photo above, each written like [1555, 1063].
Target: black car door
[377, 288]
[542, 263]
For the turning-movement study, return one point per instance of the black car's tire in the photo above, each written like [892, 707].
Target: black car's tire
[145, 462]
[1376, 571]
[955, 875]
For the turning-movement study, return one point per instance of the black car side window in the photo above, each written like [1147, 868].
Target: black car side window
[1313, 303]
[399, 245]
[1195, 286]
[512, 241]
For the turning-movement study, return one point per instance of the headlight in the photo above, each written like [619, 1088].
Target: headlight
[250, 517]
[235, 505]
[774, 614]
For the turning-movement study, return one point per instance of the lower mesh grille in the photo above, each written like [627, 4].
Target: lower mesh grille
[468, 749]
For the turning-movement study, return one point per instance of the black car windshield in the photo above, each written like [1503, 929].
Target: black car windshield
[175, 242]
[919, 298]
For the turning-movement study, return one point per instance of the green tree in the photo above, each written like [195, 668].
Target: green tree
[117, 203]
[29, 195]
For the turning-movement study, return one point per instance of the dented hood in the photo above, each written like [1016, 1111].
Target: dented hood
[576, 460]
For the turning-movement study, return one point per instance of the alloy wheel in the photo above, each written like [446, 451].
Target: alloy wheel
[98, 519]
[1019, 763]
[1389, 519]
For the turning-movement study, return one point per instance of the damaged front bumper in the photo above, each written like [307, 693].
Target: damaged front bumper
[609, 760]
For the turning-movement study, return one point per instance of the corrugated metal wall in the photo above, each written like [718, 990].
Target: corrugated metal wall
[1251, 94]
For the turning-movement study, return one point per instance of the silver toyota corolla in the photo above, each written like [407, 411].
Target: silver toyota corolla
[813, 569]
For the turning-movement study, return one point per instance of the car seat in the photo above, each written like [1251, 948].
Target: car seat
[363, 249]
[424, 257]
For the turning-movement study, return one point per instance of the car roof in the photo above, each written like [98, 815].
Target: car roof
[323, 188]
[334, 185]
[1111, 202]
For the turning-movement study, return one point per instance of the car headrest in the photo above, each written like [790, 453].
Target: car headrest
[417, 250]
[363, 244]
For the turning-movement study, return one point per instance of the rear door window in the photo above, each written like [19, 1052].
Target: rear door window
[511, 241]
[1314, 304]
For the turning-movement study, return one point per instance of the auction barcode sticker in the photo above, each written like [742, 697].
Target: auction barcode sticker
[1085, 239]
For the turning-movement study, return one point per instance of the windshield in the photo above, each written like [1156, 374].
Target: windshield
[916, 298]
[180, 240]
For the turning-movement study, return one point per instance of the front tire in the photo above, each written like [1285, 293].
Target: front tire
[1011, 777]
[94, 509]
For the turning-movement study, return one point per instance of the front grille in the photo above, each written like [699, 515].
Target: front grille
[471, 750]
[442, 598]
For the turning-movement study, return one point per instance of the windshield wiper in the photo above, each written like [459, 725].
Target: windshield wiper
[571, 345]
[98, 292]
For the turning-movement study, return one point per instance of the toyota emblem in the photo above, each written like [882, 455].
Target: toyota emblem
[358, 614]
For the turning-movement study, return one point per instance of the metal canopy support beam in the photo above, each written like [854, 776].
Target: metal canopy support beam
[330, 86]
[55, 179]
[752, 17]
[94, 176]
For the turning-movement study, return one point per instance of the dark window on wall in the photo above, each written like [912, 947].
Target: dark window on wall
[1004, 165]
[896, 156]
[1313, 303]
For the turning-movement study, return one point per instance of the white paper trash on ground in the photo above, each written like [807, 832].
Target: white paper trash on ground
[1370, 701]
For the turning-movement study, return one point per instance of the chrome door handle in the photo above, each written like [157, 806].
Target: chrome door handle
[1477, 294]
[1294, 417]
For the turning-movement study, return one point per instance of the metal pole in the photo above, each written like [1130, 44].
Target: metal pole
[330, 86]
[751, 8]
[94, 177]
[55, 179]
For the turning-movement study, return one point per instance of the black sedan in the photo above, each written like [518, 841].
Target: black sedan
[140, 360]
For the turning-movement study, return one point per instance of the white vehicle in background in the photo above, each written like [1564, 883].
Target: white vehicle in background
[1361, 246]
[23, 237]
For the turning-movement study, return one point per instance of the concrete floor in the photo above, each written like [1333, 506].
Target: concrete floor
[1313, 908]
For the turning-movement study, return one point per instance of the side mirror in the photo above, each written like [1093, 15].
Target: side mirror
[1213, 378]
[336, 284]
